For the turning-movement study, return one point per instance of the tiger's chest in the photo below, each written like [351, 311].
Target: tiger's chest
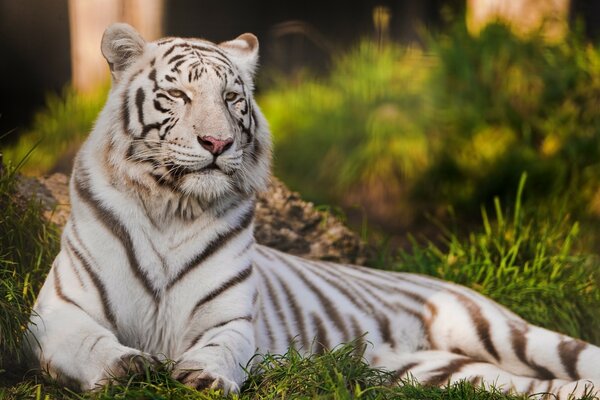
[159, 279]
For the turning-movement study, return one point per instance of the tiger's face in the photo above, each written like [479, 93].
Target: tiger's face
[187, 111]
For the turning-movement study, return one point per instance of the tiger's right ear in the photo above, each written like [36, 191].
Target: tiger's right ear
[121, 46]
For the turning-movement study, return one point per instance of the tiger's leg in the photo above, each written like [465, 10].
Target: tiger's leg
[222, 340]
[70, 345]
[439, 368]
[216, 361]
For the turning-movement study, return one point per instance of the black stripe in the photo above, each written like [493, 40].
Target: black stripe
[268, 326]
[125, 111]
[219, 325]
[321, 339]
[139, 103]
[178, 63]
[59, 291]
[382, 320]
[329, 307]
[359, 334]
[274, 297]
[296, 309]
[232, 282]
[319, 270]
[569, 350]
[75, 270]
[113, 225]
[399, 373]
[147, 128]
[443, 374]
[108, 313]
[385, 330]
[159, 107]
[482, 325]
[175, 58]
[152, 77]
[168, 51]
[98, 339]
[220, 241]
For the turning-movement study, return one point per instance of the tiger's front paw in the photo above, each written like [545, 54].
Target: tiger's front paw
[199, 377]
[131, 363]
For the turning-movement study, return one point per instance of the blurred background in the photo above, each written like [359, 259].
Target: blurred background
[396, 115]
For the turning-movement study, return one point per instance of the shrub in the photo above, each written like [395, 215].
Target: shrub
[402, 131]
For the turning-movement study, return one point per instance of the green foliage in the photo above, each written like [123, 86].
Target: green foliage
[508, 105]
[528, 262]
[27, 246]
[58, 130]
[364, 121]
[453, 126]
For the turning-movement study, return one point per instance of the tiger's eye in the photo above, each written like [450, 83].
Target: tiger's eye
[230, 96]
[179, 94]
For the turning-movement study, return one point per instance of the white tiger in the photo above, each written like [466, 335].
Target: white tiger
[158, 259]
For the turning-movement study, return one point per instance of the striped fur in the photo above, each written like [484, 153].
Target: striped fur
[158, 259]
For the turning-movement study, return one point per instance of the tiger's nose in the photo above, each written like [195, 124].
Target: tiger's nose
[214, 145]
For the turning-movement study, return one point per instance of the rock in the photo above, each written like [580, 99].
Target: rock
[283, 221]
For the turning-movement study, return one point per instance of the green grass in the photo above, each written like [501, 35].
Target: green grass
[57, 130]
[28, 245]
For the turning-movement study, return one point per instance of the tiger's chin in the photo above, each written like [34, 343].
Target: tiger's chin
[208, 185]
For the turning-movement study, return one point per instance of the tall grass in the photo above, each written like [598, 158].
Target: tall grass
[27, 246]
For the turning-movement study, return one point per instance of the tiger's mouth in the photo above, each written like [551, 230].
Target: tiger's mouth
[180, 171]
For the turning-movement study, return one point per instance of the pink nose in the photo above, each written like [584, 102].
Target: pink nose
[214, 145]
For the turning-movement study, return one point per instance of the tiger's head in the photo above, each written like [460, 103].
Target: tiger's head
[183, 114]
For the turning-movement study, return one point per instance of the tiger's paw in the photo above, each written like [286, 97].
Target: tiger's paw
[131, 363]
[198, 377]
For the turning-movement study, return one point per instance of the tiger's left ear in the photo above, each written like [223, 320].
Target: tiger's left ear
[243, 51]
[121, 45]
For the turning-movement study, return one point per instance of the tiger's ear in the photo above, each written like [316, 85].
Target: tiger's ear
[121, 46]
[243, 51]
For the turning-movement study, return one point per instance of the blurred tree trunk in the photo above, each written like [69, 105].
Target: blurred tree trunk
[89, 18]
[524, 16]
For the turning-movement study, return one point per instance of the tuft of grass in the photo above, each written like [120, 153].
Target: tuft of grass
[28, 245]
[341, 373]
[58, 130]
[528, 262]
